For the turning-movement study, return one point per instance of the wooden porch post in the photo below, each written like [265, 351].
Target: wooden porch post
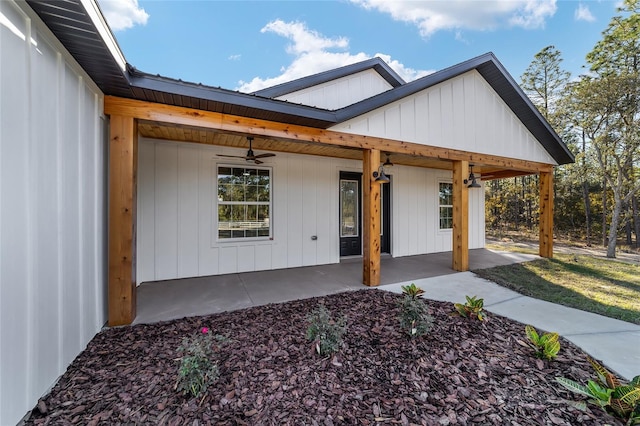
[546, 214]
[123, 163]
[460, 216]
[371, 219]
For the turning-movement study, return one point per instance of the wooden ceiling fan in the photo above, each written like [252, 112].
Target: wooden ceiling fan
[251, 156]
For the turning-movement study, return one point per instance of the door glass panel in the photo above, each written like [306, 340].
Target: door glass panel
[381, 211]
[349, 208]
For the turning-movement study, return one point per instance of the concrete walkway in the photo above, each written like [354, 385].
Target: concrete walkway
[614, 342]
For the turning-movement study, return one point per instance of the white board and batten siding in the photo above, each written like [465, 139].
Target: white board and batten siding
[52, 210]
[177, 234]
[462, 113]
[415, 226]
[341, 92]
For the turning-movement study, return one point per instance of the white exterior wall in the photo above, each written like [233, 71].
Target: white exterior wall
[340, 92]
[462, 113]
[177, 206]
[415, 226]
[52, 210]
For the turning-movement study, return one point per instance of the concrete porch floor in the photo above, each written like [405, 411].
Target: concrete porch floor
[171, 299]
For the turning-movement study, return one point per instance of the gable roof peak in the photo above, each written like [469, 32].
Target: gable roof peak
[376, 63]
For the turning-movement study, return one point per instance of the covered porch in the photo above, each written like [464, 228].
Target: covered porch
[130, 119]
[171, 299]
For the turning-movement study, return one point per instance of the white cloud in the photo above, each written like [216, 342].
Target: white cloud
[234, 57]
[433, 16]
[582, 13]
[304, 39]
[123, 14]
[312, 54]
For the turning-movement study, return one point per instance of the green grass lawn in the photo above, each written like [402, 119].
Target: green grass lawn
[593, 284]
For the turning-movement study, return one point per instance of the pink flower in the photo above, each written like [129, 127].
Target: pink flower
[204, 330]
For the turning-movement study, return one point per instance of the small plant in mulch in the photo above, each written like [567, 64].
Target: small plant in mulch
[325, 331]
[198, 369]
[412, 290]
[472, 308]
[545, 345]
[609, 393]
[414, 315]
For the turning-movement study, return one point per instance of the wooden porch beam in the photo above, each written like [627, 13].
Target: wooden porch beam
[546, 214]
[371, 219]
[123, 152]
[244, 125]
[503, 174]
[460, 216]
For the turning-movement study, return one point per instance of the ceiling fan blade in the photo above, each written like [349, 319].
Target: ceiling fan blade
[230, 156]
[257, 161]
[265, 155]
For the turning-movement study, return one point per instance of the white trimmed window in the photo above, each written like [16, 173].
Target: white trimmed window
[244, 202]
[446, 205]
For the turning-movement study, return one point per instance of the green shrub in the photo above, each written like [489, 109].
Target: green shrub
[412, 290]
[473, 308]
[198, 369]
[414, 316]
[545, 345]
[609, 393]
[325, 331]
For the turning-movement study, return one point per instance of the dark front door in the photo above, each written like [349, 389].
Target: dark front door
[350, 214]
[385, 219]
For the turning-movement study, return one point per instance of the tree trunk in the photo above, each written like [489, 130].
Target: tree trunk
[587, 210]
[613, 227]
[636, 219]
[585, 190]
[605, 240]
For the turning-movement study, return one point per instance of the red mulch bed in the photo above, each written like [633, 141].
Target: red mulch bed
[462, 372]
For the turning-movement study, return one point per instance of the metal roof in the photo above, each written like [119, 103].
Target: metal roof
[74, 26]
[377, 64]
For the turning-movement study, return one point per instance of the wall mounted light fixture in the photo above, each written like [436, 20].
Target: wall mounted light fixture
[379, 176]
[472, 181]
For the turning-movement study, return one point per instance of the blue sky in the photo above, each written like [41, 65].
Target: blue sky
[249, 45]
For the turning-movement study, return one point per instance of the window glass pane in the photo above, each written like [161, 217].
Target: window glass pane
[262, 193]
[381, 211]
[236, 192]
[446, 191]
[224, 221]
[349, 208]
[252, 215]
[224, 174]
[251, 193]
[446, 217]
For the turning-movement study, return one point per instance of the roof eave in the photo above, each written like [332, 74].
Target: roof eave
[316, 117]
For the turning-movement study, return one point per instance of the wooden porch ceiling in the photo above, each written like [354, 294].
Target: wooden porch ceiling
[184, 133]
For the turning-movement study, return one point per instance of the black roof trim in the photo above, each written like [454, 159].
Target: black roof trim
[377, 64]
[72, 25]
[155, 83]
[497, 76]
